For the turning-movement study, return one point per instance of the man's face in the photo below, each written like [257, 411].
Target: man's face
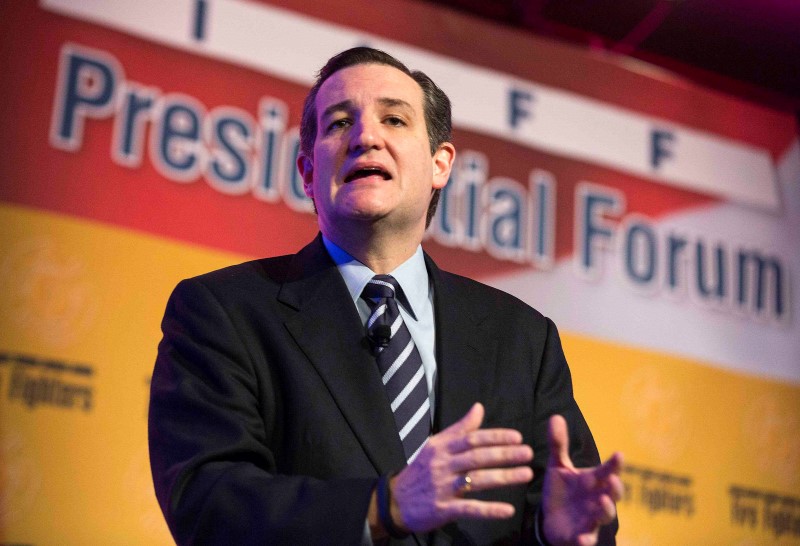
[372, 159]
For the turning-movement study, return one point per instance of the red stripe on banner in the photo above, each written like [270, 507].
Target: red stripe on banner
[88, 183]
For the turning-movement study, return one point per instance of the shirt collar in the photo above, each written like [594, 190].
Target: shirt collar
[411, 275]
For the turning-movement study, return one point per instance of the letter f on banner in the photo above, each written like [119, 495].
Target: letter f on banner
[660, 146]
[519, 107]
[87, 85]
[594, 231]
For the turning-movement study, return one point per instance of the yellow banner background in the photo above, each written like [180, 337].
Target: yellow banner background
[91, 295]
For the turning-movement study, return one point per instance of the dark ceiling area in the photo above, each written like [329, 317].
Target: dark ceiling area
[747, 48]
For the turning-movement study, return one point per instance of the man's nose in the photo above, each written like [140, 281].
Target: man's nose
[365, 135]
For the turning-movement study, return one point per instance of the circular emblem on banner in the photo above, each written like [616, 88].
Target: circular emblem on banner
[656, 407]
[20, 479]
[48, 295]
[771, 426]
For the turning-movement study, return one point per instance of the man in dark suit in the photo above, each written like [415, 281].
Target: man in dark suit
[354, 392]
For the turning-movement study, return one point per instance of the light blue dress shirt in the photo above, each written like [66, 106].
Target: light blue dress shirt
[412, 276]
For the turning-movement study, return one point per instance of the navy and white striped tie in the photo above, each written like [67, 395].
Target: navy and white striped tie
[399, 363]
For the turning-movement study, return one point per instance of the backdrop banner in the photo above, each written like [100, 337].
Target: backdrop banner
[657, 222]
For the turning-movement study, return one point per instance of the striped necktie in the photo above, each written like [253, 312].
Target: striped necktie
[399, 363]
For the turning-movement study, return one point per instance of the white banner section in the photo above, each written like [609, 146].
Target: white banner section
[293, 47]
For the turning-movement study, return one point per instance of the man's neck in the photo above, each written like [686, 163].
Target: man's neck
[382, 252]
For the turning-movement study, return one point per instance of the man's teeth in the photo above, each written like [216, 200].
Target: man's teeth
[360, 173]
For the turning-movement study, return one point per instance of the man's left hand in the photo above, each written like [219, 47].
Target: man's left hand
[577, 501]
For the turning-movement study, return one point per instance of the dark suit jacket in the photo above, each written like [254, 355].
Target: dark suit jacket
[269, 423]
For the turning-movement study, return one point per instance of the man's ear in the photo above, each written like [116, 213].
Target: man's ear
[443, 160]
[306, 168]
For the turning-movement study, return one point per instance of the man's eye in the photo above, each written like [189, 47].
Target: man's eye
[338, 124]
[395, 120]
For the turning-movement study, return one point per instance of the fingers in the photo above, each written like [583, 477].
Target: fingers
[558, 441]
[491, 457]
[466, 434]
[471, 421]
[430, 491]
[499, 477]
[475, 509]
[488, 457]
[612, 466]
[577, 500]
[605, 478]
[616, 489]
[488, 451]
[587, 539]
[465, 437]
[607, 511]
[480, 438]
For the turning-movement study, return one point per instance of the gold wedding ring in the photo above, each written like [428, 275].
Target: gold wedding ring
[463, 484]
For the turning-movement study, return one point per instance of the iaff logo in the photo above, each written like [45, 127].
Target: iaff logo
[41, 382]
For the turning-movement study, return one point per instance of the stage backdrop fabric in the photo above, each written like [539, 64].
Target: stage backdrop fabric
[657, 222]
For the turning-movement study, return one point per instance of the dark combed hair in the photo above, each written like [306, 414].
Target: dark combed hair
[436, 104]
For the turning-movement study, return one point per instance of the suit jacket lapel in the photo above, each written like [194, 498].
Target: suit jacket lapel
[328, 330]
[460, 363]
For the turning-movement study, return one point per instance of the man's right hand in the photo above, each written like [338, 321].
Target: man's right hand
[429, 492]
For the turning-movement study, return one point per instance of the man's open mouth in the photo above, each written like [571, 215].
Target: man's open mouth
[366, 172]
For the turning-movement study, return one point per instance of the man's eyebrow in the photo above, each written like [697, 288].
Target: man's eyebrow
[385, 101]
[344, 105]
[348, 105]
